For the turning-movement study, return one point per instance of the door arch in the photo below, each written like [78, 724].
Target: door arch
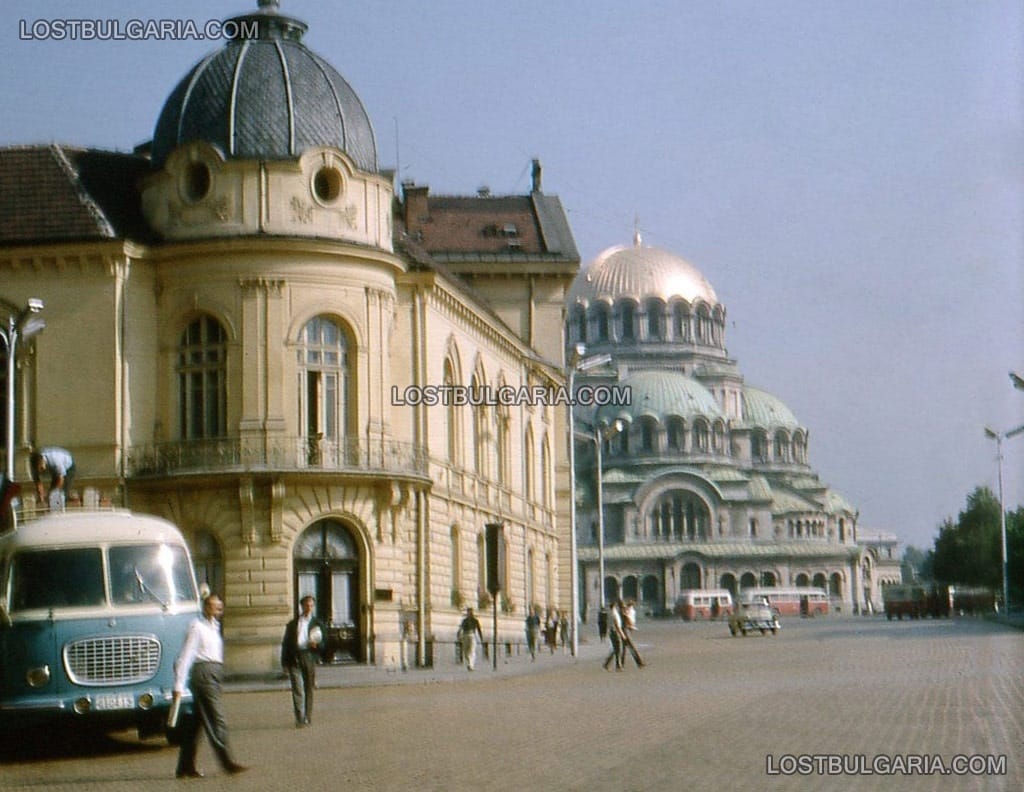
[327, 565]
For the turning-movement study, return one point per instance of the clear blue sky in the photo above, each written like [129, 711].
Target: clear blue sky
[848, 175]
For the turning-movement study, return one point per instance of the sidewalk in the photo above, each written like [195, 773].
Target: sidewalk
[445, 669]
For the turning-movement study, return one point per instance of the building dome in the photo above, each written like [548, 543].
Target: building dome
[662, 395]
[640, 272]
[265, 96]
[762, 409]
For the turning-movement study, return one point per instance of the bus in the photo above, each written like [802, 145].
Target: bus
[694, 604]
[792, 601]
[916, 601]
[94, 607]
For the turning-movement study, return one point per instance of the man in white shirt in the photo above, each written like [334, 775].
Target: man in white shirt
[200, 664]
[59, 466]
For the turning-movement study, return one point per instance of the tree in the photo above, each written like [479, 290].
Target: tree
[915, 559]
[969, 550]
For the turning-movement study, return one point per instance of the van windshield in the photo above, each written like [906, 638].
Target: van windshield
[150, 573]
[57, 578]
[74, 577]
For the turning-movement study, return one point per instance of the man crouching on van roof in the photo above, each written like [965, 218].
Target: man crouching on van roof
[59, 466]
[201, 664]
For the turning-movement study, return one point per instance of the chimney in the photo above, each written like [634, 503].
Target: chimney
[417, 211]
[536, 174]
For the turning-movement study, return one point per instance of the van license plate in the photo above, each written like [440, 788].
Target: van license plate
[114, 701]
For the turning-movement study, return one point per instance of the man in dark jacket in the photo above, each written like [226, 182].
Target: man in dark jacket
[302, 639]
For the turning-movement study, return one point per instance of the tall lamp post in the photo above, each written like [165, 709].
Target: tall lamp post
[999, 437]
[577, 363]
[599, 435]
[21, 325]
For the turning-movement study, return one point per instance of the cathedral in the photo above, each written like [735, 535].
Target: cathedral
[703, 480]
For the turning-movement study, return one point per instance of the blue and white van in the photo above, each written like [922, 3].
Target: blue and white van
[94, 607]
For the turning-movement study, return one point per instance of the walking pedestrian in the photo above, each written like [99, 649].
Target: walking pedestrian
[615, 636]
[532, 632]
[629, 627]
[303, 637]
[563, 629]
[201, 664]
[470, 637]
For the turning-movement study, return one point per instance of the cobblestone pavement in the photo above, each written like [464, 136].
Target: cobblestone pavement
[709, 712]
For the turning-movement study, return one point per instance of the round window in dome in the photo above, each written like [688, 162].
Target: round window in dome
[197, 181]
[327, 184]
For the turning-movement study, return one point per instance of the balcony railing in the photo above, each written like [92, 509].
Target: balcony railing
[278, 454]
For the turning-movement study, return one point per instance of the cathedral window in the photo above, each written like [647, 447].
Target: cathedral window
[323, 358]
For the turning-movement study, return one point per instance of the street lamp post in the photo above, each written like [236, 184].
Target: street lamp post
[999, 437]
[21, 325]
[576, 364]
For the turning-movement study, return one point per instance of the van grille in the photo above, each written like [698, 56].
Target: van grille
[112, 660]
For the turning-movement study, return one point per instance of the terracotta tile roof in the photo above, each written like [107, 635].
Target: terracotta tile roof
[56, 193]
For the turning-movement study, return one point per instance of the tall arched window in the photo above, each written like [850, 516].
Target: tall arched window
[676, 434]
[481, 433]
[655, 320]
[456, 560]
[528, 463]
[680, 322]
[781, 447]
[648, 435]
[577, 324]
[601, 321]
[502, 450]
[451, 412]
[323, 386]
[546, 474]
[202, 380]
[627, 321]
[701, 436]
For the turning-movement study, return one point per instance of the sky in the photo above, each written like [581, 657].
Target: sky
[847, 175]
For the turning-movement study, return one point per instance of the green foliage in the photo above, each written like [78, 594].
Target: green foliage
[969, 550]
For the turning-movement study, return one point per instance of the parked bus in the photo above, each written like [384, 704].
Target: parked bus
[694, 604]
[792, 601]
[94, 606]
[916, 601]
[972, 600]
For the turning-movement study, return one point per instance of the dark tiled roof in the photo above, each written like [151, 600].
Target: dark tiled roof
[522, 226]
[55, 193]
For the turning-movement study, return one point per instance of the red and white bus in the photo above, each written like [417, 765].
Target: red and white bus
[696, 604]
[792, 601]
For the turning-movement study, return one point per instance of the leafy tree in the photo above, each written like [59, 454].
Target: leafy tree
[969, 550]
[916, 559]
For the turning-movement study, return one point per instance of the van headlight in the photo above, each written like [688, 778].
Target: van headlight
[38, 677]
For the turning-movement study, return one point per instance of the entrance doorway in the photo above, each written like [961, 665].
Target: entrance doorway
[326, 562]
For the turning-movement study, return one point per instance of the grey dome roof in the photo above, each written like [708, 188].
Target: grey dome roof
[266, 97]
[762, 409]
[640, 272]
[661, 395]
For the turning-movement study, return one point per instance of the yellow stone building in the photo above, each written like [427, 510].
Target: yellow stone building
[249, 333]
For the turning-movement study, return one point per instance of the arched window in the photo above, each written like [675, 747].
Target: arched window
[655, 320]
[627, 321]
[528, 460]
[323, 389]
[680, 322]
[451, 414]
[502, 452]
[689, 576]
[701, 436]
[802, 579]
[718, 437]
[759, 446]
[679, 514]
[676, 434]
[202, 380]
[577, 324]
[799, 448]
[781, 447]
[601, 322]
[481, 433]
[208, 561]
[648, 435]
[546, 474]
[456, 560]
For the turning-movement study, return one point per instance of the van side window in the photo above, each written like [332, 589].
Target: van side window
[57, 578]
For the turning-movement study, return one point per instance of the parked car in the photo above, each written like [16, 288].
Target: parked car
[753, 615]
